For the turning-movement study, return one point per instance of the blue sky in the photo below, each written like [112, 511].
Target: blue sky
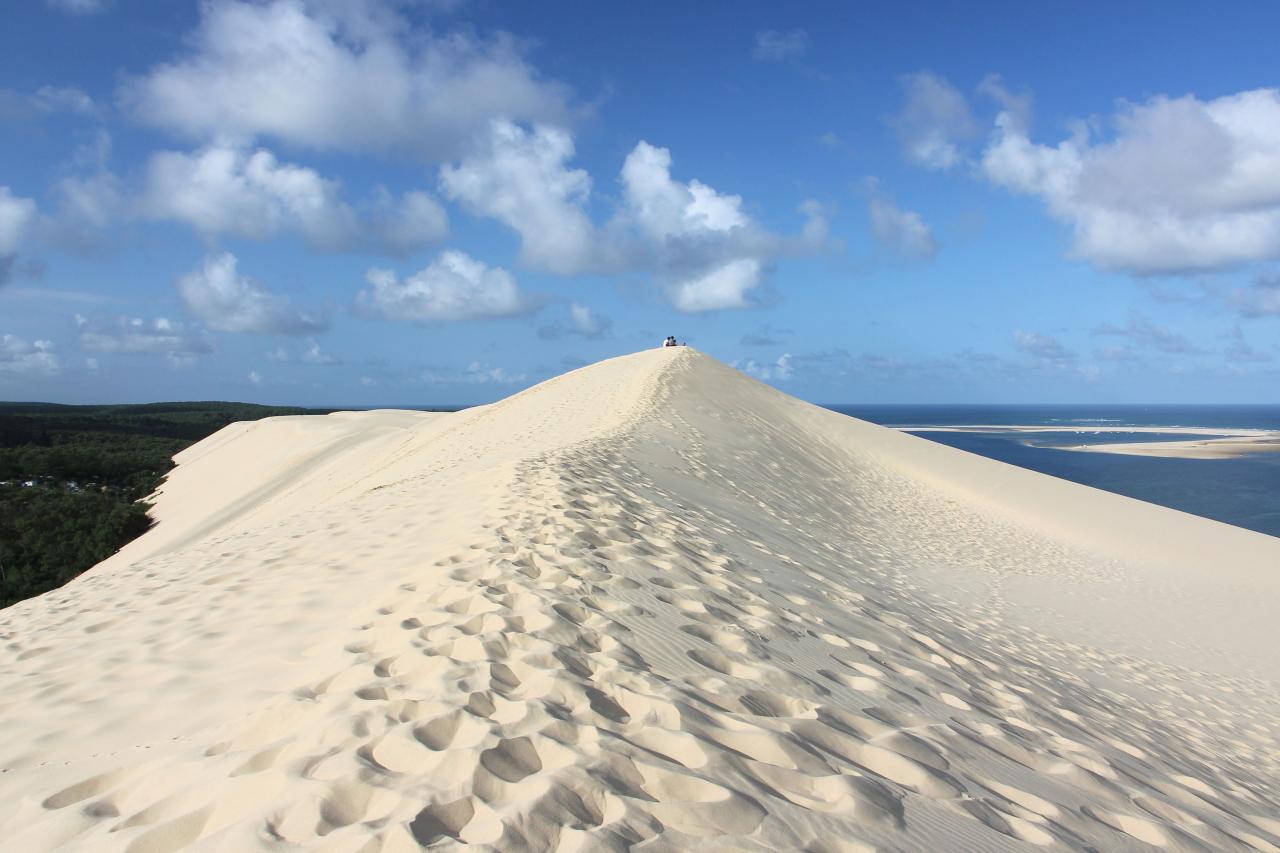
[331, 203]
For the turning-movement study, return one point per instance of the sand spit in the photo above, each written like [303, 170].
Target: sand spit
[1213, 448]
[649, 604]
[1090, 430]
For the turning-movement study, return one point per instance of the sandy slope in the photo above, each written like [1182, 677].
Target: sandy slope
[650, 603]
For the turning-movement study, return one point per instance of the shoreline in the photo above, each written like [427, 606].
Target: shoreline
[1179, 430]
[1216, 443]
[1217, 448]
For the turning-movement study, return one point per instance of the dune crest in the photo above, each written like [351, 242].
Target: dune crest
[647, 603]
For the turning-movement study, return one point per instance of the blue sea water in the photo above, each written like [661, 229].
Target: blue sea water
[1244, 491]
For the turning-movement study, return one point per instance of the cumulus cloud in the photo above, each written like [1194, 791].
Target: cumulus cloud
[1179, 185]
[725, 286]
[701, 246]
[1140, 333]
[454, 286]
[179, 343]
[19, 357]
[935, 122]
[779, 370]
[521, 179]
[706, 251]
[323, 76]
[229, 302]
[228, 190]
[667, 208]
[16, 217]
[775, 46]
[901, 231]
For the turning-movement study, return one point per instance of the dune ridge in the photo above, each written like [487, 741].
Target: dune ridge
[650, 603]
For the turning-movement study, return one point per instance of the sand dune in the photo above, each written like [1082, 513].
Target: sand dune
[653, 604]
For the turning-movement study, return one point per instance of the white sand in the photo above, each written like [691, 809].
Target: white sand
[650, 603]
[1088, 430]
[1213, 448]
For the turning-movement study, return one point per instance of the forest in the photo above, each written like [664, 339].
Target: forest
[74, 480]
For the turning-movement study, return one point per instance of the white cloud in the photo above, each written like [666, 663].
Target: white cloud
[666, 208]
[780, 370]
[313, 354]
[902, 231]
[1181, 185]
[95, 201]
[254, 377]
[330, 79]
[723, 287]
[227, 190]
[16, 217]
[229, 302]
[782, 367]
[935, 121]
[179, 343]
[583, 321]
[476, 373]
[454, 286]
[775, 46]
[586, 322]
[1016, 105]
[706, 250]
[816, 229]
[20, 357]
[520, 178]
[700, 244]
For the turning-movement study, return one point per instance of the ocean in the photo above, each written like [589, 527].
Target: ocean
[1244, 491]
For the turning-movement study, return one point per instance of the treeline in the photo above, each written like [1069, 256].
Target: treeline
[73, 478]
